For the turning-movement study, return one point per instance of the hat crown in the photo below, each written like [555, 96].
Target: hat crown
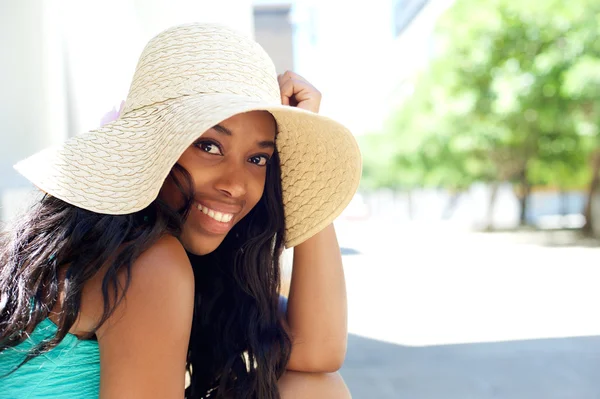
[201, 59]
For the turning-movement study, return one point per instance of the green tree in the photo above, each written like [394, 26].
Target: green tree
[512, 95]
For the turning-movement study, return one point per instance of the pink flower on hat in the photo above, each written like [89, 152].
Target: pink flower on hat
[112, 115]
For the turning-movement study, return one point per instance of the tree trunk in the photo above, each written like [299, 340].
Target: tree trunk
[491, 206]
[592, 189]
[451, 205]
[409, 204]
[564, 202]
[525, 191]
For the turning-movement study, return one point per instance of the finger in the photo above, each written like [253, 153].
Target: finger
[298, 90]
[287, 91]
[280, 79]
[289, 88]
[293, 75]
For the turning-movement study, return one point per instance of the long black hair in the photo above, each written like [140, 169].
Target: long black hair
[238, 348]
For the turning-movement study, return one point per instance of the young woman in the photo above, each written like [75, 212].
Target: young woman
[155, 248]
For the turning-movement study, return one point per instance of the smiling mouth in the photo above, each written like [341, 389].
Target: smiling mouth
[218, 216]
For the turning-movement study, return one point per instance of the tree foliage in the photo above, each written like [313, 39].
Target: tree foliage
[512, 94]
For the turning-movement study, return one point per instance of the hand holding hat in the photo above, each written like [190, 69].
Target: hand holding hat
[298, 92]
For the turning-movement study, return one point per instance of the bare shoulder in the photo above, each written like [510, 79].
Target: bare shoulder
[143, 345]
[161, 284]
[164, 263]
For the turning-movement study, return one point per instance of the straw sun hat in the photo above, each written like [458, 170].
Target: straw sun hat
[188, 79]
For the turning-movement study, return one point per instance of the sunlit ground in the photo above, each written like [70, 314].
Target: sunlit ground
[434, 284]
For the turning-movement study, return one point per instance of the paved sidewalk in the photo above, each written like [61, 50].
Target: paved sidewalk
[542, 369]
[448, 314]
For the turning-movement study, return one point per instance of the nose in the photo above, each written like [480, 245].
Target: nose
[232, 181]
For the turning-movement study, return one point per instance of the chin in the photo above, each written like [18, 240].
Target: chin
[200, 245]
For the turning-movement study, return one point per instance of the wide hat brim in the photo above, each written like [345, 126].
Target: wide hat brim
[120, 168]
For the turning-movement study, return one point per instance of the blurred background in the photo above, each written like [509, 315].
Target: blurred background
[471, 250]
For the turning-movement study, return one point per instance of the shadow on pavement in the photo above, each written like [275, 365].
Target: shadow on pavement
[533, 369]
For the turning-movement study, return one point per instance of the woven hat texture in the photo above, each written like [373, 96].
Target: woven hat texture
[188, 79]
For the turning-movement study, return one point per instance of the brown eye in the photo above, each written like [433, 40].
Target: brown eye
[259, 160]
[209, 147]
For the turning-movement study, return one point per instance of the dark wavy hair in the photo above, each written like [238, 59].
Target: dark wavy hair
[238, 348]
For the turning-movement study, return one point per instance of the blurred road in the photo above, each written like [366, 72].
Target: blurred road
[436, 311]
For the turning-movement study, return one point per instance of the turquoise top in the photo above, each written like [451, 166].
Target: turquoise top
[70, 370]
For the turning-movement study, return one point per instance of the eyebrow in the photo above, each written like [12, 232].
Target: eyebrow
[223, 129]
[262, 144]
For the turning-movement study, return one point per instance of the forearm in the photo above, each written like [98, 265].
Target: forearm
[317, 305]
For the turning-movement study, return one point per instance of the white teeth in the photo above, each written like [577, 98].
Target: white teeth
[218, 216]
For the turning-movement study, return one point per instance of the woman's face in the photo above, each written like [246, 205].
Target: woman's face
[228, 166]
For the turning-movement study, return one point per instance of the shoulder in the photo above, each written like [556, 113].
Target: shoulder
[164, 263]
[163, 269]
[162, 277]
[143, 345]
[161, 283]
